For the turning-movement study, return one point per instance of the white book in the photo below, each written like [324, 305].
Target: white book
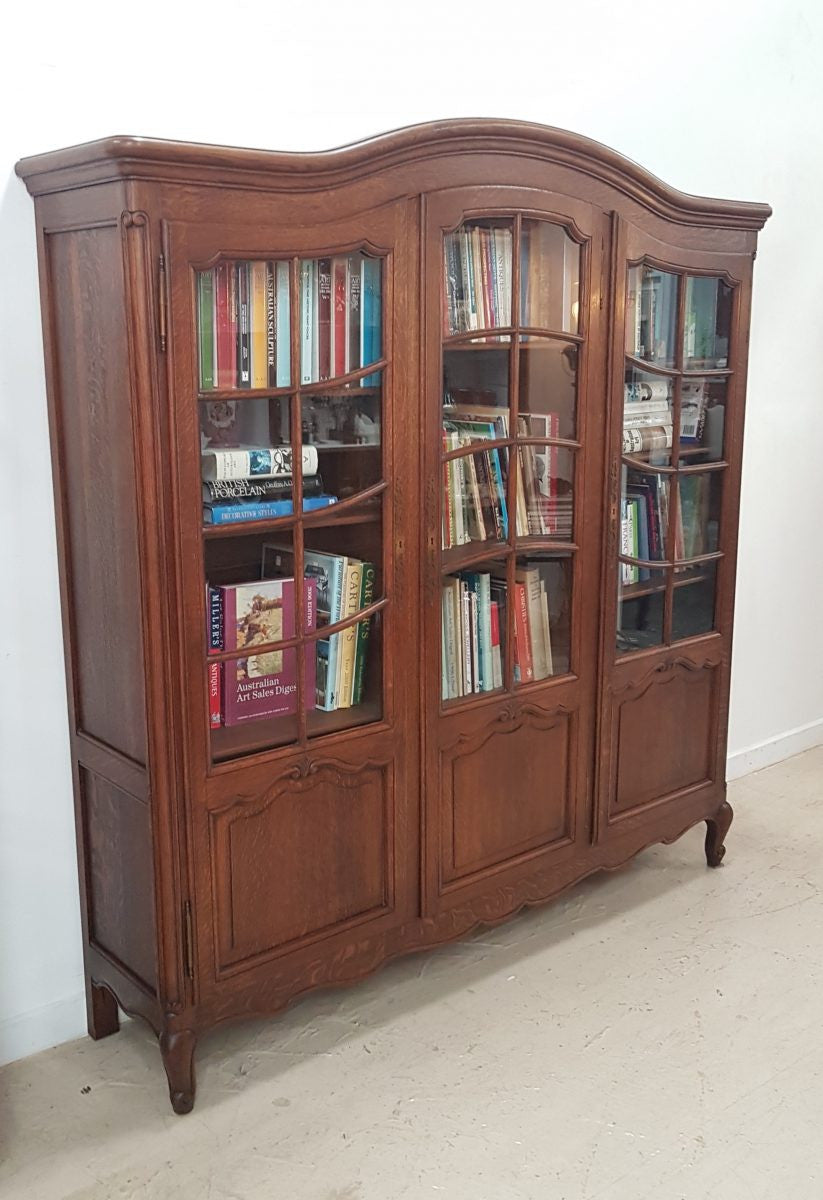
[307, 322]
[466, 632]
[255, 462]
[484, 630]
[283, 350]
[315, 319]
[547, 637]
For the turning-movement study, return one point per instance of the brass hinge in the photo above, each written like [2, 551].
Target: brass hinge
[188, 951]
[161, 301]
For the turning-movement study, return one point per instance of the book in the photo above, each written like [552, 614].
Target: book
[243, 291]
[522, 635]
[257, 325]
[261, 462]
[206, 329]
[371, 318]
[367, 586]
[353, 312]
[308, 283]
[339, 340]
[265, 685]
[214, 609]
[283, 332]
[235, 511]
[226, 304]
[279, 488]
[324, 312]
[271, 325]
[348, 636]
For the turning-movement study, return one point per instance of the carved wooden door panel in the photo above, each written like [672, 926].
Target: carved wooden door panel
[676, 427]
[303, 785]
[515, 395]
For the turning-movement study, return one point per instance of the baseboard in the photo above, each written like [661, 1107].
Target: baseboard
[775, 750]
[44, 1027]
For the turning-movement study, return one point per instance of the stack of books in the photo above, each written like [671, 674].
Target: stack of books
[344, 586]
[477, 279]
[242, 616]
[243, 325]
[647, 416]
[340, 306]
[254, 483]
[473, 618]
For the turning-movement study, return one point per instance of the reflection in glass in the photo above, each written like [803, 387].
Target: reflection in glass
[548, 385]
[549, 277]
[340, 316]
[243, 331]
[694, 595]
[707, 323]
[545, 487]
[476, 382]
[644, 521]
[477, 284]
[343, 430]
[640, 605]
[647, 415]
[698, 514]
[651, 314]
[702, 420]
[473, 631]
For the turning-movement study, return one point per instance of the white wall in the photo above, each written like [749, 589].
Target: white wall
[730, 107]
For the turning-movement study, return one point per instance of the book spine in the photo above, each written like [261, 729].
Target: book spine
[484, 630]
[259, 370]
[226, 326]
[215, 607]
[310, 647]
[348, 636]
[339, 344]
[283, 334]
[271, 325]
[367, 585]
[264, 462]
[522, 634]
[450, 650]
[497, 657]
[353, 314]
[279, 488]
[477, 678]
[205, 328]
[242, 287]
[266, 510]
[372, 268]
[539, 664]
[324, 307]
[546, 628]
[466, 637]
[306, 322]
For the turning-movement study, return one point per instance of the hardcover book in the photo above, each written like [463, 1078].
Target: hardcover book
[265, 685]
[260, 462]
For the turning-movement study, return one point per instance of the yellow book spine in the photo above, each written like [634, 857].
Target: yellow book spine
[259, 361]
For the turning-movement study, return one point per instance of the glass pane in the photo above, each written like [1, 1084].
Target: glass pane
[693, 604]
[542, 616]
[647, 416]
[707, 323]
[473, 631]
[698, 517]
[476, 385]
[548, 386]
[342, 434]
[702, 420]
[640, 604]
[549, 277]
[477, 276]
[474, 493]
[545, 503]
[243, 325]
[340, 316]
[651, 314]
[644, 518]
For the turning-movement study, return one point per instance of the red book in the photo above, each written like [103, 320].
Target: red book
[324, 317]
[214, 609]
[224, 289]
[265, 685]
[338, 331]
[522, 636]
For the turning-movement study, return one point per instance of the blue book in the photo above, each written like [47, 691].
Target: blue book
[264, 510]
[370, 318]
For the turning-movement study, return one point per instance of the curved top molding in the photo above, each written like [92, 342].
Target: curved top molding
[151, 158]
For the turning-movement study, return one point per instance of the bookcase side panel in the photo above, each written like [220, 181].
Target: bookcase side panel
[92, 426]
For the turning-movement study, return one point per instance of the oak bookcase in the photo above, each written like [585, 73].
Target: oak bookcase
[542, 463]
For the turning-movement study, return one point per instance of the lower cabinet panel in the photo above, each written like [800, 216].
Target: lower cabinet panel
[308, 856]
[663, 734]
[505, 789]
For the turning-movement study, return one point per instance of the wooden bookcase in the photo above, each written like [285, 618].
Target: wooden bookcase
[533, 432]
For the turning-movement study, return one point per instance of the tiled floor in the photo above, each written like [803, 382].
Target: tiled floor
[657, 1034]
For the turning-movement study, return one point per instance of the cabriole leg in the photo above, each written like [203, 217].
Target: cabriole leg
[101, 1011]
[716, 829]
[178, 1059]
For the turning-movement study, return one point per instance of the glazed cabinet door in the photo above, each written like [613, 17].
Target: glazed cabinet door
[294, 410]
[515, 364]
[681, 320]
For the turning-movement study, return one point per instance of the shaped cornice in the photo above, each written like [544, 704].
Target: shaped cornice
[126, 157]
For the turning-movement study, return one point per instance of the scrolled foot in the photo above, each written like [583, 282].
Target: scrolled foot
[102, 1016]
[177, 1050]
[716, 829]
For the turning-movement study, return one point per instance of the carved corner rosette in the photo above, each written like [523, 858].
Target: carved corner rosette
[134, 219]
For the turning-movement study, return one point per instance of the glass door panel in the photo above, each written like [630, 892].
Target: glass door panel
[340, 316]
[707, 323]
[702, 419]
[641, 594]
[693, 601]
[342, 429]
[548, 386]
[477, 276]
[648, 415]
[542, 616]
[244, 325]
[545, 488]
[473, 631]
[698, 514]
[651, 315]
[549, 277]
[475, 492]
